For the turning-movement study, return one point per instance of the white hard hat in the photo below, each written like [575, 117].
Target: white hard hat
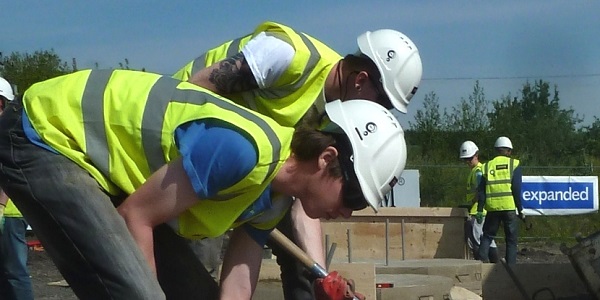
[6, 90]
[468, 149]
[398, 61]
[503, 142]
[378, 146]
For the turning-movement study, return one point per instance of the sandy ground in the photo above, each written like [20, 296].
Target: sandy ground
[48, 284]
[44, 274]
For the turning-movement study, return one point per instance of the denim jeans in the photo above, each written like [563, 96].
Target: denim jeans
[73, 217]
[510, 222]
[15, 283]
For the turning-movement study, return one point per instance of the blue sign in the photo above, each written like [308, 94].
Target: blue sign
[559, 195]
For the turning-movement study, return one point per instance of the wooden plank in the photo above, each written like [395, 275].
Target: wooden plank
[425, 233]
[414, 286]
[410, 212]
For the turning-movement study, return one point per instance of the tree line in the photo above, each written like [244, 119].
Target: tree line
[548, 139]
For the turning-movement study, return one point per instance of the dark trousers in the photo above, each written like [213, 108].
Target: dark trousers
[510, 223]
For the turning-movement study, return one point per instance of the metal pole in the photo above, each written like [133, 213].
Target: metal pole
[330, 255]
[326, 245]
[326, 250]
[387, 242]
[402, 236]
[349, 245]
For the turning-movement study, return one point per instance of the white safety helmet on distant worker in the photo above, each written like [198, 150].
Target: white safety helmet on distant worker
[6, 90]
[376, 159]
[468, 149]
[503, 142]
[398, 61]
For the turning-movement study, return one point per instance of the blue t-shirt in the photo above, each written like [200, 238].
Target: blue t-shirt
[214, 157]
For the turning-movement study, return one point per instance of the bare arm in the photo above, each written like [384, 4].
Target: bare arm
[241, 266]
[308, 233]
[3, 198]
[229, 76]
[165, 195]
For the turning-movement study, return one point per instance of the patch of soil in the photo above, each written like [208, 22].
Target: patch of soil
[540, 255]
[47, 282]
[541, 252]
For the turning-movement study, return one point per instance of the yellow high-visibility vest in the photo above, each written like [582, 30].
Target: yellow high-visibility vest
[472, 188]
[119, 125]
[499, 174]
[292, 95]
[11, 211]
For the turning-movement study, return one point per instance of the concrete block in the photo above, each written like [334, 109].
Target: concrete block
[269, 278]
[459, 293]
[413, 287]
[464, 273]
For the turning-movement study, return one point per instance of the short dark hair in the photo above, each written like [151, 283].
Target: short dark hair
[361, 62]
[504, 150]
[308, 143]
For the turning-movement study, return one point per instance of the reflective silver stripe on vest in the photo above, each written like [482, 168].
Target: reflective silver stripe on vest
[501, 194]
[280, 204]
[200, 62]
[92, 109]
[313, 60]
[153, 120]
[154, 113]
[234, 47]
[501, 181]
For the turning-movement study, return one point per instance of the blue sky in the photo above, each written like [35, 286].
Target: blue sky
[501, 43]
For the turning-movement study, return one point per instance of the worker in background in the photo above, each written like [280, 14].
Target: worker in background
[178, 160]
[500, 194]
[469, 153]
[289, 75]
[15, 282]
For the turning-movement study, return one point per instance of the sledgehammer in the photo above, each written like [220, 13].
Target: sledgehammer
[299, 254]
